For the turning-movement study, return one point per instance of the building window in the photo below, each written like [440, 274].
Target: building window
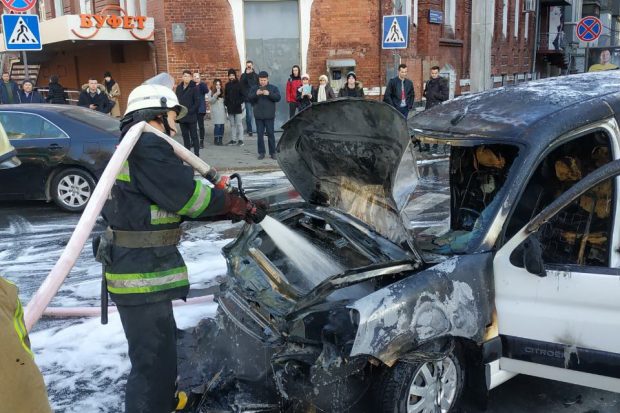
[505, 18]
[449, 12]
[517, 13]
[527, 25]
[86, 7]
[59, 8]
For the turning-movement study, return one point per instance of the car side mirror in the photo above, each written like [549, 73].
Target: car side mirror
[533, 257]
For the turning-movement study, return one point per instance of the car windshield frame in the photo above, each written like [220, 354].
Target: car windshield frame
[479, 239]
[94, 119]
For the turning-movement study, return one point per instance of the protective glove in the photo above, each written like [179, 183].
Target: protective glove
[258, 212]
[237, 208]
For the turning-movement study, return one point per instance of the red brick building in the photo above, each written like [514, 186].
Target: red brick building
[322, 36]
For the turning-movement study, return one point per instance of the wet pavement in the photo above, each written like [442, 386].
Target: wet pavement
[85, 364]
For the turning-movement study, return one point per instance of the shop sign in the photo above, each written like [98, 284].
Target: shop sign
[113, 21]
[107, 20]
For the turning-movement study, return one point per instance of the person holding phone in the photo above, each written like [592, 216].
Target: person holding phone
[93, 96]
[264, 97]
[304, 92]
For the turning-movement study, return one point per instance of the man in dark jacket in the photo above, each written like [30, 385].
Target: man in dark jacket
[94, 98]
[264, 98]
[435, 89]
[28, 95]
[8, 89]
[249, 79]
[233, 100]
[399, 92]
[203, 89]
[56, 92]
[144, 271]
[189, 96]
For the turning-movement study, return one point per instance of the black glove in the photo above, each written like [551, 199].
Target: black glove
[258, 212]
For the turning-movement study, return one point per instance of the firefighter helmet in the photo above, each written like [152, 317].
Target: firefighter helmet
[152, 96]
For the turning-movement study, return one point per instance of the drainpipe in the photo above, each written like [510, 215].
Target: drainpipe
[536, 38]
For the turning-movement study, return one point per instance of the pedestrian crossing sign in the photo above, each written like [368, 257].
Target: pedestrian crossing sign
[21, 32]
[395, 32]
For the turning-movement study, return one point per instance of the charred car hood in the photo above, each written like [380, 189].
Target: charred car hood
[354, 155]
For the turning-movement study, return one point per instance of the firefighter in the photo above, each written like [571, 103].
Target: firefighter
[143, 268]
[22, 389]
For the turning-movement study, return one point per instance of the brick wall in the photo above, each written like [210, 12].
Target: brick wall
[346, 31]
[510, 54]
[210, 45]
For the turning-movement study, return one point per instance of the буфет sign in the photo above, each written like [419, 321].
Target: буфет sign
[125, 22]
[115, 18]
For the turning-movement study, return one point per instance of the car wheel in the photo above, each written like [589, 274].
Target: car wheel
[422, 387]
[72, 188]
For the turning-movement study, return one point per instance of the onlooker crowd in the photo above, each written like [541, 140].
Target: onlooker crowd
[251, 96]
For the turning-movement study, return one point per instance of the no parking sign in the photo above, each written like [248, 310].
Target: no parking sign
[589, 29]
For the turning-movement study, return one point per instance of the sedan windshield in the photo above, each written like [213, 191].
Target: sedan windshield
[459, 192]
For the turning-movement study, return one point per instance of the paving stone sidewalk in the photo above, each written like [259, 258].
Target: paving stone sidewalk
[228, 159]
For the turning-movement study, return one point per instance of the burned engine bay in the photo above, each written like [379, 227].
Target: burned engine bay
[281, 338]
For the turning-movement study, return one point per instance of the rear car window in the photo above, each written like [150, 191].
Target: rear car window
[28, 126]
[94, 119]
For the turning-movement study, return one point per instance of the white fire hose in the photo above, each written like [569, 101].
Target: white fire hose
[41, 299]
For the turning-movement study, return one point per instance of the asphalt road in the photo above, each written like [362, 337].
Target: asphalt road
[33, 233]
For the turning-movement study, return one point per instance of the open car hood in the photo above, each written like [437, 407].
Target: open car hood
[354, 155]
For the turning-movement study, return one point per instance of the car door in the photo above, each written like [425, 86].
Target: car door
[559, 315]
[40, 146]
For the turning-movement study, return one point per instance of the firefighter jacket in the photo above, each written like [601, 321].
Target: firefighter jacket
[21, 385]
[154, 191]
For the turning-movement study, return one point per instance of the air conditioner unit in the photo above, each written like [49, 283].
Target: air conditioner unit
[529, 6]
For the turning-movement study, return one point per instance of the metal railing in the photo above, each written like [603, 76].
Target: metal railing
[552, 42]
[73, 95]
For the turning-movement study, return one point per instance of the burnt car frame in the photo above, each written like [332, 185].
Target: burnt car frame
[63, 149]
[508, 266]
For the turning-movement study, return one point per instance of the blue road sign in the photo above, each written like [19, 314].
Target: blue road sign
[589, 29]
[435, 16]
[21, 32]
[395, 32]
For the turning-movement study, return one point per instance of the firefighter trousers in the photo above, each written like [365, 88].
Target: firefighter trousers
[151, 335]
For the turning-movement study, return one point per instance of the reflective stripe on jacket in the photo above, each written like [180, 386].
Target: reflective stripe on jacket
[21, 385]
[154, 191]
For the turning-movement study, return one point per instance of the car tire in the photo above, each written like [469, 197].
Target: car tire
[71, 189]
[413, 387]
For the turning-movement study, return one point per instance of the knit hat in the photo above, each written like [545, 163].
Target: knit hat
[263, 74]
[323, 77]
[232, 72]
[351, 74]
[305, 76]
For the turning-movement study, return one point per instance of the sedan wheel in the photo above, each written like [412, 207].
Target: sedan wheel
[72, 188]
[423, 387]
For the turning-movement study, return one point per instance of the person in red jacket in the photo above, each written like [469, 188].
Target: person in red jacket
[293, 83]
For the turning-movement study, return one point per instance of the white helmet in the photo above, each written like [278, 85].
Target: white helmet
[154, 97]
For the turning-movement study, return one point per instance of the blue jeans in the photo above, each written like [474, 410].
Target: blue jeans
[261, 125]
[249, 114]
[218, 130]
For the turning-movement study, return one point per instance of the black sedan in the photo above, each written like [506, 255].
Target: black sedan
[64, 150]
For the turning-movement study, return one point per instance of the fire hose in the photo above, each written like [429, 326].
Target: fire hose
[52, 283]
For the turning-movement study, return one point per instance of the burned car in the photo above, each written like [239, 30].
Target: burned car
[389, 290]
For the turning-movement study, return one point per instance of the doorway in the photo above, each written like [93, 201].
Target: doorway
[272, 43]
